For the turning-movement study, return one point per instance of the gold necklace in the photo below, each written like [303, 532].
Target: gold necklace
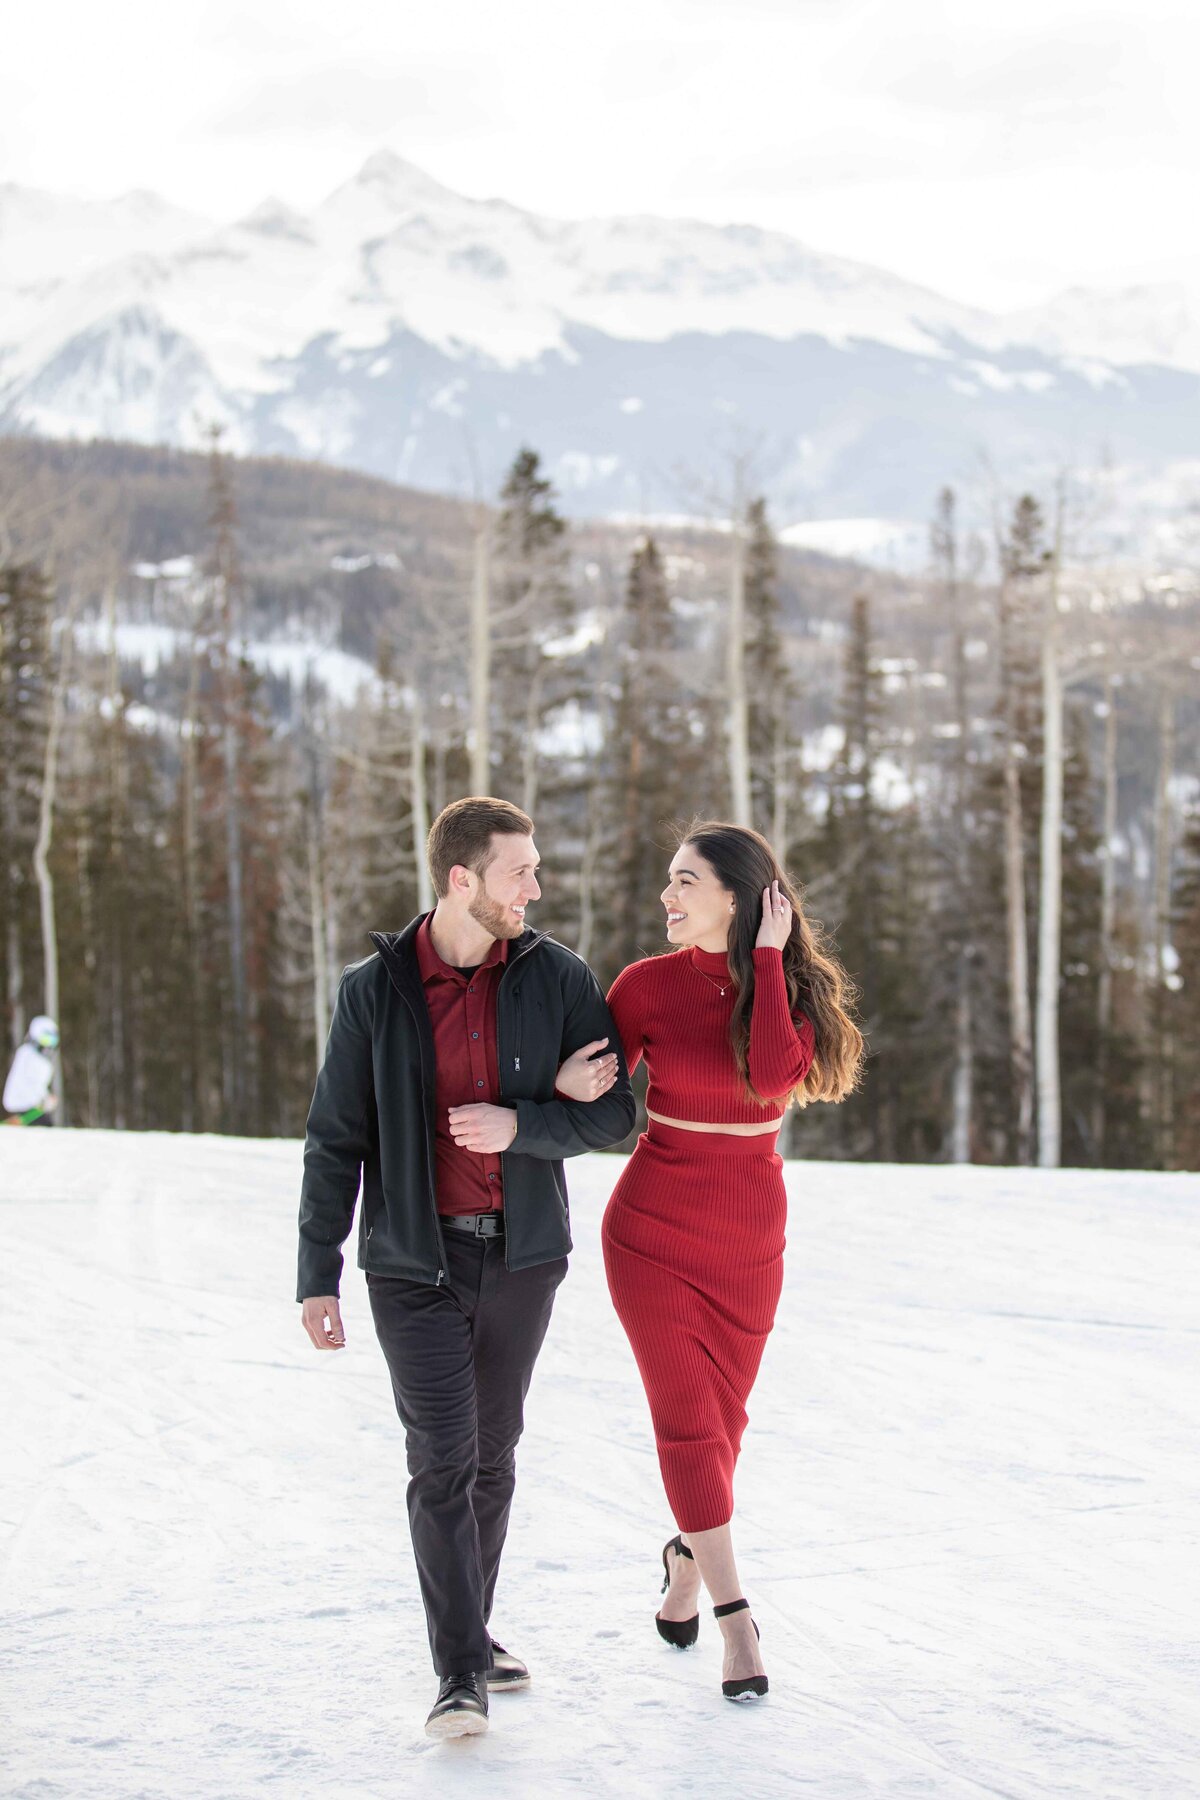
[708, 978]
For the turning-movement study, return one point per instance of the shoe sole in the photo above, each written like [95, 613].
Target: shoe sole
[506, 1682]
[455, 1725]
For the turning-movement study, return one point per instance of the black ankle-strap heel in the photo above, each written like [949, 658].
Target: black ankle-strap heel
[682, 1633]
[753, 1686]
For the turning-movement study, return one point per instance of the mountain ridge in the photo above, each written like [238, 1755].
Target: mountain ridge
[396, 315]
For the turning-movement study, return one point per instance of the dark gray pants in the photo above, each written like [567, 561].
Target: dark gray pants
[461, 1358]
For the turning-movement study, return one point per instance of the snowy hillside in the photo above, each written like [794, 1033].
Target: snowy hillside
[398, 324]
[966, 1504]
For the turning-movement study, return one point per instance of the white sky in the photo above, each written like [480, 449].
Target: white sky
[995, 152]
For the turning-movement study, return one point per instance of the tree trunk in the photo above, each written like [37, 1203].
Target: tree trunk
[963, 1080]
[735, 680]
[237, 1101]
[317, 926]
[481, 660]
[1161, 1119]
[419, 806]
[1018, 958]
[115, 974]
[1108, 910]
[1049, 1098]
[780, 786]
[195, 1102]
[529, 750]
[41, 852]
[587, 876]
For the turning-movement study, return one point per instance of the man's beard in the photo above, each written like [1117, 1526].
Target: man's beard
[495, 919]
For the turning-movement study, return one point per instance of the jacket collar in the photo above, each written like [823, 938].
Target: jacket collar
[398, 949]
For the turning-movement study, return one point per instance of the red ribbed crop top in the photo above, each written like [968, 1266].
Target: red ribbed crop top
[670, 1010]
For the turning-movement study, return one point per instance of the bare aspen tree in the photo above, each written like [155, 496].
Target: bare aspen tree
[41, 851]
[419, 804]
[481, 654]
[737, 726]
[1021, 560]
[118, 813]
[944, 544]
[1108, 910]
[1161, 1095]
[194, 1102]
[1049, 1098]
[222, 521]
[781, 767]
[315, 764]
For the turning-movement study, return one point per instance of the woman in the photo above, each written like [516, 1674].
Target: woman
[744, 1017]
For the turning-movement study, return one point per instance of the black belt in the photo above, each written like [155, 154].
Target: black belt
[483, 1224]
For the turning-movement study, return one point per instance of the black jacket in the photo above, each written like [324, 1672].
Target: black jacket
[372, 1113]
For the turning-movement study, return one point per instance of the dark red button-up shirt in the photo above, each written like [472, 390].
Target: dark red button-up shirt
[462, 1009]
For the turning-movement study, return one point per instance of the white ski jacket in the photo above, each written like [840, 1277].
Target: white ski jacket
[28, 1080]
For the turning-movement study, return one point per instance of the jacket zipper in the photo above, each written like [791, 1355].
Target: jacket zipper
[437, 1226]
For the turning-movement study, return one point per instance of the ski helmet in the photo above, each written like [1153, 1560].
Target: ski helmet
[43, 1032]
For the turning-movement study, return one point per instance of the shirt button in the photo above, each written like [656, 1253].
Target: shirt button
[479, 1084]
[470, 990]
[491, 1178]
[474, 1034]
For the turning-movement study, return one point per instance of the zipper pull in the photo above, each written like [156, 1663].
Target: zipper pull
[517, 1064]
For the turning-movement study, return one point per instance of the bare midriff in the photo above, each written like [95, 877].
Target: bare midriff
[733, 1130]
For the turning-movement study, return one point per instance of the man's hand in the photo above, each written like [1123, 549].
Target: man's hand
[322, 1319]
[582, 1079]
[483, 1129]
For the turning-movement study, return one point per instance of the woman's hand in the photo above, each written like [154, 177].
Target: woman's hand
[776, 919]
[582, 1079]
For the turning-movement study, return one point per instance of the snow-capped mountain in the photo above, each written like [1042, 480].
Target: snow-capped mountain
[407, 330]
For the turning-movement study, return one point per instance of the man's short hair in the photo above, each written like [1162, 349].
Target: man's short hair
[463, 832]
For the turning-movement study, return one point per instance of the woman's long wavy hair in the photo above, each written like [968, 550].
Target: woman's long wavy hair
[817, 985]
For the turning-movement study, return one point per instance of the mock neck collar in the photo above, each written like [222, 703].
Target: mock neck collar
[710, 962]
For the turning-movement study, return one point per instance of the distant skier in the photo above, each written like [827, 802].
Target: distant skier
[28, 1096]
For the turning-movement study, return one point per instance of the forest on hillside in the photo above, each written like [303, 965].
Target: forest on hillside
[233, 694]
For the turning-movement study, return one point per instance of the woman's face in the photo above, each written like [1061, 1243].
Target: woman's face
[699, 910]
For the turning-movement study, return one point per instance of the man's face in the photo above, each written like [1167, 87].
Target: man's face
[506, 887]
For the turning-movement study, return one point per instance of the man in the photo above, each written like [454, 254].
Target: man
[439, 1087]
[28, 1099]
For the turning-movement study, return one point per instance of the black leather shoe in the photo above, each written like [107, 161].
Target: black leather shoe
[461, 1708]
[680, 1632]
[751, 1687]
[507, 1671]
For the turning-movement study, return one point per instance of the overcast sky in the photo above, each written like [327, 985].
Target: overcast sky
[996, 152]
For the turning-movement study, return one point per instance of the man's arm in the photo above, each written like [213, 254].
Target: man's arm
[336, 1143]
[558, 1128]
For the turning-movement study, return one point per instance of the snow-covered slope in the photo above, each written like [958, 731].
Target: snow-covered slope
[398, 321]
[966, 1504]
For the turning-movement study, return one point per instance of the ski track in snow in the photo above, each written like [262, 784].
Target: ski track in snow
[967, 1503]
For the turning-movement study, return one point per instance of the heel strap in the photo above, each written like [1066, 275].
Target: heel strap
[680, 1548]
[731, 1606]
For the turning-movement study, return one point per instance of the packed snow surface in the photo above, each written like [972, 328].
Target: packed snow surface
[966, 1503]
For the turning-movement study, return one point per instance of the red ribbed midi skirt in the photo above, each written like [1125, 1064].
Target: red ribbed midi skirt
[693, 1248]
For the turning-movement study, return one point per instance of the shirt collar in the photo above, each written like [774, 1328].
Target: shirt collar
[434, 969]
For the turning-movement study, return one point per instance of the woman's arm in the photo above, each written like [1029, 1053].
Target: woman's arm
[626, 1006]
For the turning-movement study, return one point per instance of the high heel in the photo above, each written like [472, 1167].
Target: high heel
[752, 1686]
[680, 1632]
